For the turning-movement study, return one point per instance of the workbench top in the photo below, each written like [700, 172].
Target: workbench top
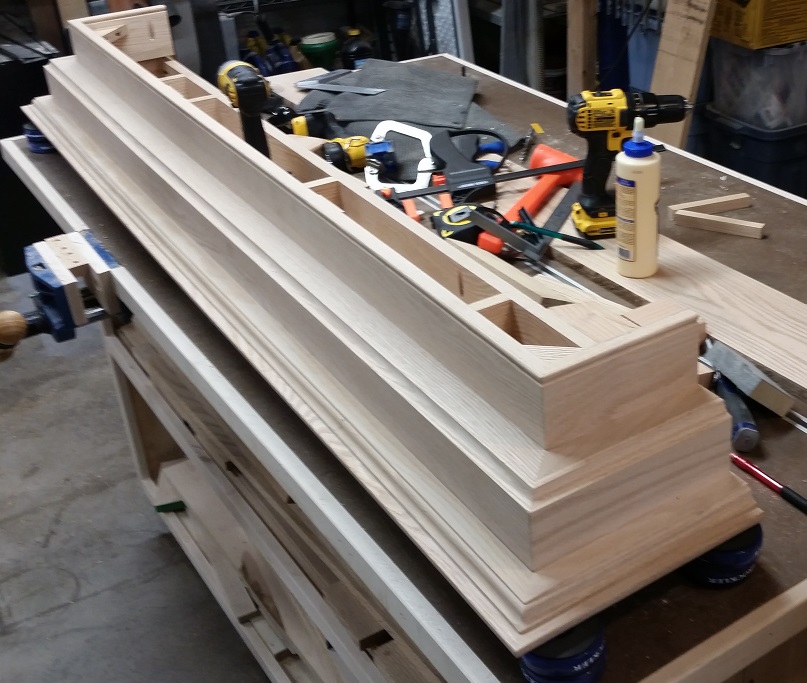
[666, 618]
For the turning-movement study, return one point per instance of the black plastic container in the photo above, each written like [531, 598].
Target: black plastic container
[778, 157]
[355, 51]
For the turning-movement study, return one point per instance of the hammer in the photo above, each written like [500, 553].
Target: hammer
[546, 185]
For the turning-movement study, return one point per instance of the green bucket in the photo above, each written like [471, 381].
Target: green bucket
[320, 49]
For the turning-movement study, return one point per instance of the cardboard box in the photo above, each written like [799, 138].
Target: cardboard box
[760, 23]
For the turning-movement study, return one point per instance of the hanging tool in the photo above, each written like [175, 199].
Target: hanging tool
[248, 92]
[605, 119]
[324, 83]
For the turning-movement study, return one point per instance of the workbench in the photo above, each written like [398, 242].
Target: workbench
[186, 392]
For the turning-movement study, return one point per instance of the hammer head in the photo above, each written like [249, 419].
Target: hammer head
[544, 155]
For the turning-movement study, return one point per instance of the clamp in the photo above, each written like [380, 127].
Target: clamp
[72, 280]
[425, 166]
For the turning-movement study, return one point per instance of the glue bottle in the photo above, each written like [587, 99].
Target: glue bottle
[638, 185]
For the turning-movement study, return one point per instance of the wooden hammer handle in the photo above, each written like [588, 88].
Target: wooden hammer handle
[13, 329]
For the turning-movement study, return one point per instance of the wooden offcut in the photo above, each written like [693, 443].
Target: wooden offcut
[724, 224]
[544, 485]
[741, 200]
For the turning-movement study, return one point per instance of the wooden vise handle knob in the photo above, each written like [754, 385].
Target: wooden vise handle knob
[13, 329]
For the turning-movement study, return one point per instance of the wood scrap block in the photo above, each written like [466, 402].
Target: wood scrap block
[705, 375]
[741, 200]
[724, 224]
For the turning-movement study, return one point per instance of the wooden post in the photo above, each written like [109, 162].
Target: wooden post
[581, 50]
[679, 63]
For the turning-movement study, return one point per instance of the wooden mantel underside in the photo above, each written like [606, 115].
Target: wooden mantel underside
[546, 466]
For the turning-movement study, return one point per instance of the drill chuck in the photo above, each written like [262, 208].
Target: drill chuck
[655, 109]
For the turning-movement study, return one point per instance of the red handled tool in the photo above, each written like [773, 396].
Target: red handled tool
[795, 499]
[546, 185]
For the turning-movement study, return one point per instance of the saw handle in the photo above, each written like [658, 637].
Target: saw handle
[13, 329]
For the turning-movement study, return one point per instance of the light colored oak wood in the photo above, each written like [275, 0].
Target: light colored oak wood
[600, 322]
[332, 577]
[113, 33]
[361, 322]
[741, 200]
[543, 288]
[681, 51]
[746, 641]
[581, 51]
[330, 188]
[398, 668]
[764, 325]
[724, 224]
[283, 84]
[143, 35]
[302, 609]
[184, 86]
[433, 637]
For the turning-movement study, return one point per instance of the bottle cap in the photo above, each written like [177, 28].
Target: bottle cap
[354, 32]
[637, 146]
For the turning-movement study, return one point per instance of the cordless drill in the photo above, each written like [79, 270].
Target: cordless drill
[605, 119]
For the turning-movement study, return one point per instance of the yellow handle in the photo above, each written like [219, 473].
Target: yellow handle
[13, 329]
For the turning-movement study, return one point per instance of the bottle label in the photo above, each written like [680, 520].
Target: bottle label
[625, 219]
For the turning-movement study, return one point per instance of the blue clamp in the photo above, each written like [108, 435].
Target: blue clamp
[53, 314]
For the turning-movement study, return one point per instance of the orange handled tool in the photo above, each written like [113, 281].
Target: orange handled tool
[546, 185]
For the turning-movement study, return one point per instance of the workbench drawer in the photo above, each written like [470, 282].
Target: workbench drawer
[298, 606]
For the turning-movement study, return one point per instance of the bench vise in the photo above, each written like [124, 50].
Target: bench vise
[73, 287]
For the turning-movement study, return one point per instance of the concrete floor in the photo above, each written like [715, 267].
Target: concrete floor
[93, 588]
